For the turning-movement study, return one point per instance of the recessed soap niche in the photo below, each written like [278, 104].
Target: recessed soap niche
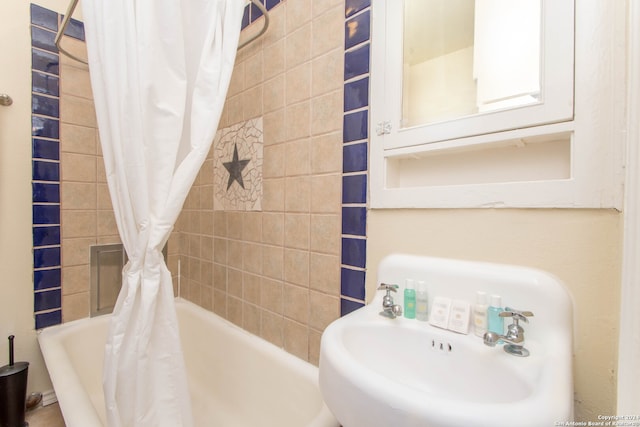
[529, 159]
[106, 264]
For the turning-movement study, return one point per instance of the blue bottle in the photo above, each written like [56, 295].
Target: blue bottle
[495, 323]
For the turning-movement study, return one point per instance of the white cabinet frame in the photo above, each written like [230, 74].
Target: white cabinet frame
[595, 132]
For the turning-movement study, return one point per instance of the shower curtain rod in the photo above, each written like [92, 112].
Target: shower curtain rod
[74, 3]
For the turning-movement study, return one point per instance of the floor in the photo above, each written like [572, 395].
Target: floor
[45, 416]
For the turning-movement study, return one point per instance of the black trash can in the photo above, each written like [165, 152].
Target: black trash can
[13, 394]
[13, 391]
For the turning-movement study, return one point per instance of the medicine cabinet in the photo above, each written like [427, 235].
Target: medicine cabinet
[473, 104]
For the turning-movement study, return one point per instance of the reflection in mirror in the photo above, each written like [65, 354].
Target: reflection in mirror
[463, 57]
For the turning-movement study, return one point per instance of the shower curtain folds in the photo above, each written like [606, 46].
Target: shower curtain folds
[159, 70]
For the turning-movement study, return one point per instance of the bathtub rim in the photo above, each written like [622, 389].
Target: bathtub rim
[71, 393]
[68, 388]
[324, 417]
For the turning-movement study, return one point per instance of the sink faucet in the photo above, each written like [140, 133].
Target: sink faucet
[514, 338]
[389, 309]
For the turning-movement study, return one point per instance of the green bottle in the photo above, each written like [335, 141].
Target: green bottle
[409, 300]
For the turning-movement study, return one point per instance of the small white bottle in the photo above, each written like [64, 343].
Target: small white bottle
[495, 323]
[422, 302]
[480, 314]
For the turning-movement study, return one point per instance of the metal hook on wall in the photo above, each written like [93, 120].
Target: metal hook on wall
[5, 100]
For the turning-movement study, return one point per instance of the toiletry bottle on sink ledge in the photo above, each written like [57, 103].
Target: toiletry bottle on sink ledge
[495, 323]
[422, 302]
[480, 314]
[409, 300]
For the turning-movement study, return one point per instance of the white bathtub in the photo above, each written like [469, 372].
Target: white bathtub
[235, 378]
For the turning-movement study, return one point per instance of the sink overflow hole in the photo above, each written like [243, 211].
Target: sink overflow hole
[442, 346]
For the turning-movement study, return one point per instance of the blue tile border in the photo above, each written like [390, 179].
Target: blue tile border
[354, 157]
[46, 214]
[355, 134]
[352, 283]
[356, 62]
[354, 220]
[347, 306]
[272, 3]
[351, 7]
[45, 149]
[46, 257]
[75, 29]
[44, 127]
[252, 13]
[45, 61]
[43, 39]
[46, 236]
[354, 189]
[45, 83]
[355, 126]
[46, 279]
[45, 172]
[246, 17]
[356, 94]
[47, 300]
[44, 17]
[354, 252]
[45, 106]
[48, 319]
[45, 193]
[357, 30]
[255, 12]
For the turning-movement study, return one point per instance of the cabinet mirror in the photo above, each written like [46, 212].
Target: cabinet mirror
[463, 57]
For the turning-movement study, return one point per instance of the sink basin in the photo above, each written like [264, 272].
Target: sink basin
[376, 371]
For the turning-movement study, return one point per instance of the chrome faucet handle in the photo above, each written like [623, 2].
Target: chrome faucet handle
[517, 315]
[389, 308]
[514, 338]
[388, 287]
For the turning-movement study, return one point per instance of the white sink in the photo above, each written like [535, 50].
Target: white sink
[376, 371]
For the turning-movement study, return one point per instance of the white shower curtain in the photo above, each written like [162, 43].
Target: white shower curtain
[160, 70]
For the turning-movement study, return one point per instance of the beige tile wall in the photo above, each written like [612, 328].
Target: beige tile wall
[276, 273]
[85, 207]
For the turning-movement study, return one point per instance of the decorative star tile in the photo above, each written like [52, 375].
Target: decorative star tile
[235, 168]
[238, 157]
